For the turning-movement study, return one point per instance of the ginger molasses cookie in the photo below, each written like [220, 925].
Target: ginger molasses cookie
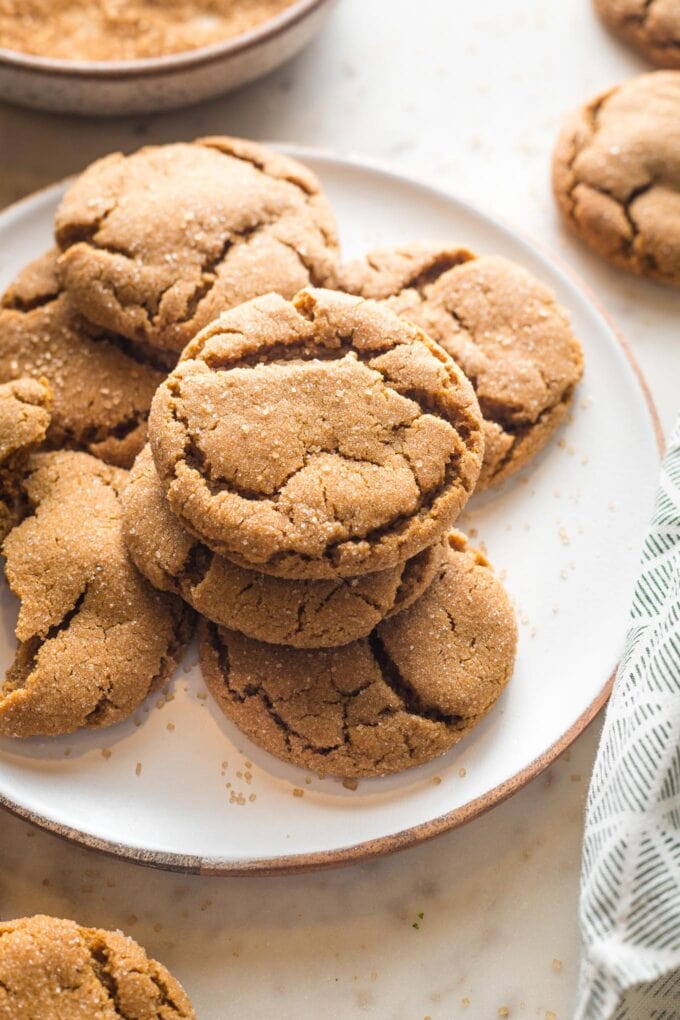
[500, 324]
[616, 175]
[94, 636]
[321, 437]
[52, 969]
[418, 684]
[158, 243]
[305, 614]
[102, 384]
[651, 26]
[24, 419]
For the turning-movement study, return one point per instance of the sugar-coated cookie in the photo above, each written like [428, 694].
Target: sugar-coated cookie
[651, 26]
[501, 325]
[417, 685]
[94, 636]
[616, 175]
[24, 419]
[156, 244]
[52, 969]
[321, 437]
[102, 385]
[304, 614]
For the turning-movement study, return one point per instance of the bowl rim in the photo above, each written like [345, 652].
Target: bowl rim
[149, 67]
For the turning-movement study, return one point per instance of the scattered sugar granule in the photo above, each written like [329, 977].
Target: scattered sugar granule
[138, 769]
[106, 752]
[556, 965]
[297, 792]
[462, 773]
[349, 784]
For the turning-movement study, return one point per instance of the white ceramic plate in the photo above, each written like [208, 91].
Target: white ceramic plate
[566, 533]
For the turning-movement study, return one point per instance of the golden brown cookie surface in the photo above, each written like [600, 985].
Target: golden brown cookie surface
[102, 385]
[502, 326]
[319, 438]
[52, 969]
[616, 175]
[304, 614]
[24, 419]
[651, 26]
[94, 637]
[158, 243]
[408, 692]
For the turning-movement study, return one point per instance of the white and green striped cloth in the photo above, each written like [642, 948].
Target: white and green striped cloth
[630, 900]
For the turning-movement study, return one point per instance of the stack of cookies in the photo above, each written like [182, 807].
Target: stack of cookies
[307, 457]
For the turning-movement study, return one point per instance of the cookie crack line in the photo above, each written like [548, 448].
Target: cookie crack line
[15, 303]
[396, 681]
[255, 690]
[243, 157]
[425, 502]
[28, 651]
[311, 350]
[99, 962]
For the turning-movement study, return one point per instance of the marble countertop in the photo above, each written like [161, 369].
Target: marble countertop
[468, 96]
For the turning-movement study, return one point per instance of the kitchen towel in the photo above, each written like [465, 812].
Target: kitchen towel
[630, 883]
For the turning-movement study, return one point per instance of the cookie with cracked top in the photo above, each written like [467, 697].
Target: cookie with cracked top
[651, 26]
[24, 418]
[499, 323]
[304, 614]
[616, 175]
[157, 243]
[102, 385]
[321, 437]
[55, 969]
[94, 636]
[417, 685]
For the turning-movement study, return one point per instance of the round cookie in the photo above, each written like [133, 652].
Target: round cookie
[651, 26]
[418, 684]
[616, 175]
[304, 614]
[316, 438]
[52, 969]
[24, 419]
[158, 243]
[500, 324]
[94, 636]
[102, 385]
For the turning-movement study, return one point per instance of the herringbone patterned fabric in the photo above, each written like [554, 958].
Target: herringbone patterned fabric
[630, 901]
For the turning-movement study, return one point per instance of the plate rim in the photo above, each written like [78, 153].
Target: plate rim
[414, 835]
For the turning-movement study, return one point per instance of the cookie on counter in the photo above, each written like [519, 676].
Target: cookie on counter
[322, 437]
[651, 26]
[500, 324]
[417, 685]
[24, 419]
[616, 175]
[102, 384]
[304, 614]
[155, 245]
[94, 636]
[52, 969]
